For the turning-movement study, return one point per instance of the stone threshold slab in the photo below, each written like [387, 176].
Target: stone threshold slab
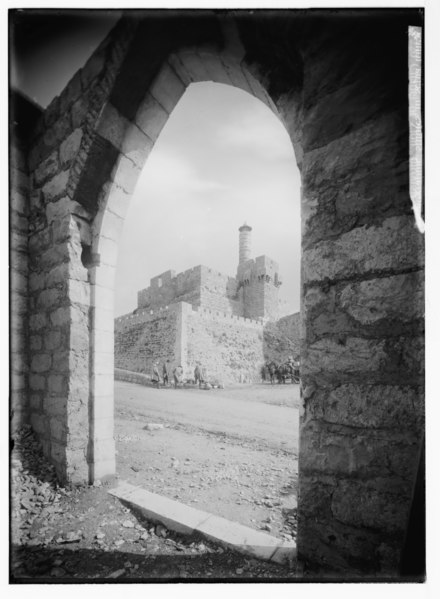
[186, 520]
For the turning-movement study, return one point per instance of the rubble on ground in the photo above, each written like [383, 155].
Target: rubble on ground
[81, 533]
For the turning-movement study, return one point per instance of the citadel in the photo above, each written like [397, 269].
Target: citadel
[230, 325]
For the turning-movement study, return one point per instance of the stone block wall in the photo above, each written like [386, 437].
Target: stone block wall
[362, 307]
[218, 283]
[145, 338]
[59, 285]
[132, 377]
[229, 347]
[220, 303]
[258, 288]
[197, 286]
[169, 288]
[18, 273]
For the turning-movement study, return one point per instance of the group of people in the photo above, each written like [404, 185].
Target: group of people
[281, 372]
[158, 379]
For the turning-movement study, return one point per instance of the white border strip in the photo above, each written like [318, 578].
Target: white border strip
[415, 123]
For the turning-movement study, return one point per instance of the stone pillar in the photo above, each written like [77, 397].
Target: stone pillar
[59, 342]
[101, 448]
[244, 243]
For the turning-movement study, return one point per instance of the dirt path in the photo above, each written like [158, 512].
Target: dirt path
[231, 452]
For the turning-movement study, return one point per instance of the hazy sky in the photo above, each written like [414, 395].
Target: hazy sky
[223, 158]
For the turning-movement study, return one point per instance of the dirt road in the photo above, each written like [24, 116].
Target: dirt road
[231, 452]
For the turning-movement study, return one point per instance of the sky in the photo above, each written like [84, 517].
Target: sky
[222, 159]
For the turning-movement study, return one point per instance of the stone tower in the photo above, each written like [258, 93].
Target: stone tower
[258, 281]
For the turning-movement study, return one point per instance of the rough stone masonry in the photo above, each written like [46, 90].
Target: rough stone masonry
[339, 83]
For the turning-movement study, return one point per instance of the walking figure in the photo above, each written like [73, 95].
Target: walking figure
[178, 375]
[155, 377]
[165, 373]
[198, 375]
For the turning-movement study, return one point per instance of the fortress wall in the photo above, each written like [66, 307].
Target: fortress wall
[282, 338]
[271, 301]
[253, 299]
[189, 281]
[141, 316]
[217, 282]
[229, 347]
[144, 338]
[197, 286]
[169, 288]
[220, 303]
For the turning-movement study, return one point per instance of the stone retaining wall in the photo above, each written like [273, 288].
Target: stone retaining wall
[132, 377]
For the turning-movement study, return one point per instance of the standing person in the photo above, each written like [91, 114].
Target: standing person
[165, 372]
[178, 375]
[296, 373]
[155, 377]
[203, 375]
[198, 375]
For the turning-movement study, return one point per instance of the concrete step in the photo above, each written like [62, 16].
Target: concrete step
[187, 520]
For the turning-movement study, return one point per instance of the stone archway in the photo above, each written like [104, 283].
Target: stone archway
[344, 104]
[135, 139]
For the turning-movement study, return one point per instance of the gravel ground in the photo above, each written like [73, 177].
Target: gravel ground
[232, 453]
[83, 533]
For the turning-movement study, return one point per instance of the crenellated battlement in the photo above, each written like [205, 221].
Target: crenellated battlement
[141, 316]
[225, 317]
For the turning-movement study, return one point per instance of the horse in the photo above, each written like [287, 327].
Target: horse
[288, 371]
[283, 373]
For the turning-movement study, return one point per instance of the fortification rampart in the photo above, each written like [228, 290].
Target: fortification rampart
[169, 288]
[145, 338]
[140, 316]
[193, 286]
[209, 314]
[229, 346]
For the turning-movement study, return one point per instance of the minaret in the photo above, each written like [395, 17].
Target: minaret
[244, 244]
